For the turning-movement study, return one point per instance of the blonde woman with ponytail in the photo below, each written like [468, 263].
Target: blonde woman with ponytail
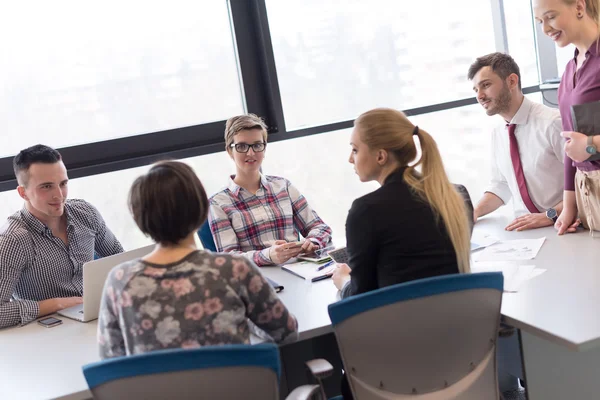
[576, 22]
[415, 225]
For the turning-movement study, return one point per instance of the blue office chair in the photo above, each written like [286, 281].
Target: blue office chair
[208, 242]
[429, 339]
[214, 372]
[206, 237]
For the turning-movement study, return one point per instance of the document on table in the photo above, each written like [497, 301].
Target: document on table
[480, 241]
[511, 250]
[514, 275]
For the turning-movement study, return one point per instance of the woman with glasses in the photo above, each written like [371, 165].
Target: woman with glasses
[259, 215]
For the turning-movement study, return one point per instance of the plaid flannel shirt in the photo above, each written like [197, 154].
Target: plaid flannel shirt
[248, 224]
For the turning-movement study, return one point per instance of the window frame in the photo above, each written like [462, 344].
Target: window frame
[261, 95]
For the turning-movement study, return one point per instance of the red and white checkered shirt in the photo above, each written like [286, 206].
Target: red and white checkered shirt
[248, 224]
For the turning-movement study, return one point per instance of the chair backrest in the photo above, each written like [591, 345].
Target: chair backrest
[462, 190]
[215, 372]
[206, 237]
[434, 337]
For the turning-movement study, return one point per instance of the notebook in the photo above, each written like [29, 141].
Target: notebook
[586, 119]
[310, 271]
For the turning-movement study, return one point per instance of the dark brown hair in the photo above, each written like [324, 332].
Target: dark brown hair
[33, 155]
[168, 202]
[502, 64]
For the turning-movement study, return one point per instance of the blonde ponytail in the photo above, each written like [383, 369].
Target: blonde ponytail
[434, 187]
[389, 129]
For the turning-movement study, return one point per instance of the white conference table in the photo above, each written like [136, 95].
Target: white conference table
[556, 312]
[45, 363]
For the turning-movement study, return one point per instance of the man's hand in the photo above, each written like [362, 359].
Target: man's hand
[530, 221]
[575, 146]
[341, 275]
[59, 303]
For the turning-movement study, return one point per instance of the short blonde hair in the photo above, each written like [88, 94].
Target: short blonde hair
[243, 122]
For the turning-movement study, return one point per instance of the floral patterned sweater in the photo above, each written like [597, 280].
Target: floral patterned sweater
[204, 299]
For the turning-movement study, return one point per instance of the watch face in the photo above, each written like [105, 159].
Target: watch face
[591, 149]
[551, 213]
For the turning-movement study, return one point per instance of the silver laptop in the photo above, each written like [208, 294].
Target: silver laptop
[94, 275]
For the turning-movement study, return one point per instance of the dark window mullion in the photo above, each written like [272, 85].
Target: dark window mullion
[257, 62]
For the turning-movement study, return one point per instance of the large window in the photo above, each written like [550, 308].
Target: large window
[563, 56]
[317, 165]
[337, 59]
[521, 39]
[79, 73]
[75, 72]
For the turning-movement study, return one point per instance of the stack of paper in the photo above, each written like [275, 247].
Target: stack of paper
[511, 250]
[480, 241]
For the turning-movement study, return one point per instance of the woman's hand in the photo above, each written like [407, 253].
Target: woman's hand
[281, 251]
[308, 247]
[575, 146]
[341, 275]
[567, 221]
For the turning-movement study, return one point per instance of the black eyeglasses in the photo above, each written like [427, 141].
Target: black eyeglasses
[244, 147]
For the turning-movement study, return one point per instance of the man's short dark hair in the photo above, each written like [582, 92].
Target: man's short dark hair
[502, 64]
[169, 202]
[33, 155]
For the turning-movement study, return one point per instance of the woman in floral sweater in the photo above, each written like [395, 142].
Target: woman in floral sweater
[178, 296]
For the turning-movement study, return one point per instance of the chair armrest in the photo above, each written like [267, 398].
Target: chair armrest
[304, 392]
[320, 368]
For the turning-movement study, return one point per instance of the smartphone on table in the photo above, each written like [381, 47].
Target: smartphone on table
[49, 322]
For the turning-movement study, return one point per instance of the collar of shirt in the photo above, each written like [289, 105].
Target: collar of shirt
[522, 115]
[395, 176]
[234, 188]
[593, 50]
[38, 226]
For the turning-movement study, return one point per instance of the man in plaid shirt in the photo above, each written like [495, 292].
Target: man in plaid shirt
[257, 215]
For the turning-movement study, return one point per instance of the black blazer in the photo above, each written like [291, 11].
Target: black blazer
[392, 237]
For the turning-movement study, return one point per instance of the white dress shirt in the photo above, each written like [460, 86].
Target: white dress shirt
[541, 149]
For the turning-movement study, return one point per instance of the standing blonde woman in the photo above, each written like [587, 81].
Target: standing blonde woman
[415, 225]
[576, 22]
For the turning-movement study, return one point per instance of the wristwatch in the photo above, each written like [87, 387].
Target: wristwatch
[552, 214]
[591, 148]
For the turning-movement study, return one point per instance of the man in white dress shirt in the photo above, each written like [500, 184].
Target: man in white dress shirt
[527, 149]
